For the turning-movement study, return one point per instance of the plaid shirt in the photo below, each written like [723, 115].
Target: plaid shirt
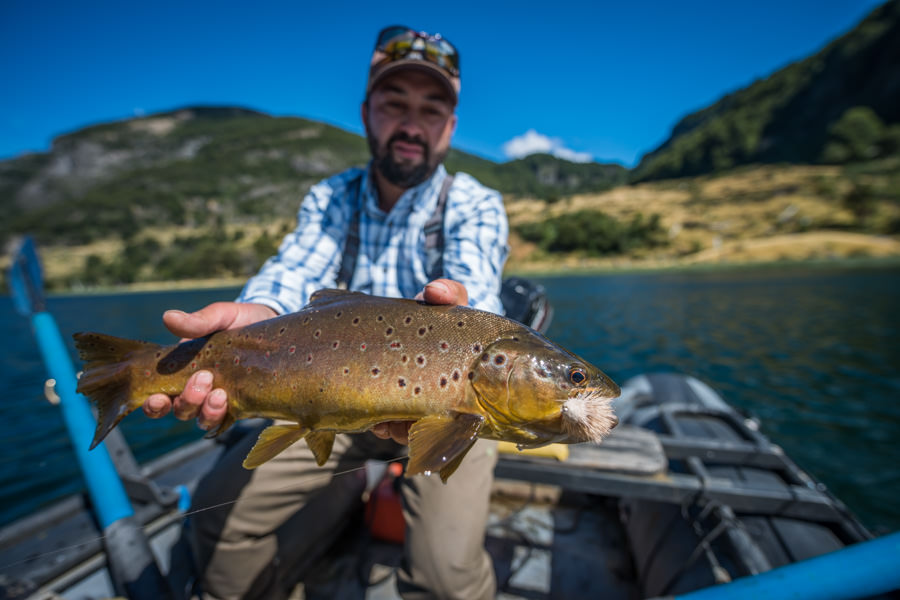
[391, 259]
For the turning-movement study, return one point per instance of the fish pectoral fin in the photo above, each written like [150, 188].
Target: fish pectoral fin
[320, 442]
[437, 444]
[272, 441]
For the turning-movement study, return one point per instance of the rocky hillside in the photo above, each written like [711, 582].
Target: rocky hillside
[208, 165]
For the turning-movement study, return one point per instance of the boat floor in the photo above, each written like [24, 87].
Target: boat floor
[544, 544]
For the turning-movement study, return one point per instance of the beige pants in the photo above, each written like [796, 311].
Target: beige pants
[272, 517]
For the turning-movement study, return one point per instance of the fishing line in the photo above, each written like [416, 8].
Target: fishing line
[145, 528]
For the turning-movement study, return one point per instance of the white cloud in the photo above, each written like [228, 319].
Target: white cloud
[532, 142]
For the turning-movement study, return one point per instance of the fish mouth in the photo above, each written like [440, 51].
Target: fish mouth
[588, 415]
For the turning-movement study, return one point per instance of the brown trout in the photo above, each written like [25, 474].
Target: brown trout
[348, 361]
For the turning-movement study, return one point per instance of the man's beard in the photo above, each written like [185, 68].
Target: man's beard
[400, 174]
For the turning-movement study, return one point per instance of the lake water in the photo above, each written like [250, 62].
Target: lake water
[813, 353]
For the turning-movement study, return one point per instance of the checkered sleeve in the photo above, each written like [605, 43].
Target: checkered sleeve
[308, 258]
[475, 238]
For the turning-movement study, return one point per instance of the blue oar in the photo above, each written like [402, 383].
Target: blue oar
[859, 571]
[132, 567]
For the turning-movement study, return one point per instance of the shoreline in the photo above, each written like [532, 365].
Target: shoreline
[541, 269]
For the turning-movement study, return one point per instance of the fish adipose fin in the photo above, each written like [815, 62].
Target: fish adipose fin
[437, 444]
[106, 380]
[273, 441]
[320, 442]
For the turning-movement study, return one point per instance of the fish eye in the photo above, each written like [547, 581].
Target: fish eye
[577, 376]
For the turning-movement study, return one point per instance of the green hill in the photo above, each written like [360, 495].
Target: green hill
[839, 105]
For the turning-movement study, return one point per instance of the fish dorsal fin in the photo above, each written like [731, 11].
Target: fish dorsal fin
[437, 443]
[320, 442]
[330, 295]
[272, 441]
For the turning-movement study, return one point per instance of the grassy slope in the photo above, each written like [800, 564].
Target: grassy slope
[755, 214]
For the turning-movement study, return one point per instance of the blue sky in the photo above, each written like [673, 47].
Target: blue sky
[585, 79]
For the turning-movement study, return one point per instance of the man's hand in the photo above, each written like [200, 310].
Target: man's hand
[439, 291]
[199, 398]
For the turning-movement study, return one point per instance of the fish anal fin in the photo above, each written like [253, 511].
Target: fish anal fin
[272, 441]
[437, 444]
[320, 442]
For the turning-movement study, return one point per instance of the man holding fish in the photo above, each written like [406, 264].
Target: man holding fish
[244, 550]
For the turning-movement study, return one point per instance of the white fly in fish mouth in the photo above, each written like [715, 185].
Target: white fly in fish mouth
[588, 416]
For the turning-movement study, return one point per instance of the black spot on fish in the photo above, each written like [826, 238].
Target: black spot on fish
[417, 390]
[306, 320]
[376, 371]
[422, 331]
[282, 330]
[515, 339]
[471, 375]
[158, 354]
[456, 375]
[388, 331]
[379, 318]
[308, 358]
[420, 360]
[499, 359]
[355, 321]
[404, 358]
[407, 320]
[476, 348]
[317, 334]
[346, 371]
[443, 381]
[335, 345]
[338, 314]
[460, 324]
[401, 382]
[485, 357]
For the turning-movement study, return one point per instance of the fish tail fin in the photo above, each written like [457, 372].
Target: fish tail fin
[107, 378]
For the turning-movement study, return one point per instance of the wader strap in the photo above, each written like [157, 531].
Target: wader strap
[351, 246]
[434, 235]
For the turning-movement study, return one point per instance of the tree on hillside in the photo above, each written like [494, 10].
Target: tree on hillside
[855, 136]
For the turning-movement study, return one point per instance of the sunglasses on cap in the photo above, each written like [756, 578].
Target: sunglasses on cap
[398, 42]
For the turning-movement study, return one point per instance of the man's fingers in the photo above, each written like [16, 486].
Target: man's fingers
[396, 430]
[445, 291]
[187, 404]
[400, 431]
[216, 316]
[213, 409]
[157, 405]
